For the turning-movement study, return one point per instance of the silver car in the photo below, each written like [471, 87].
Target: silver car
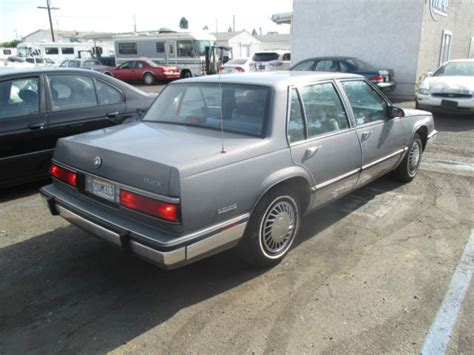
[233, 161]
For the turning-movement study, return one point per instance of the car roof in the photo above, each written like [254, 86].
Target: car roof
[42, 70]
[326, 57]
[274, 79]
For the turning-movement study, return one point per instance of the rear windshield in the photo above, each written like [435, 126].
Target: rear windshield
[456, 69]
[239, 108]
[359, 64]
[265, 57]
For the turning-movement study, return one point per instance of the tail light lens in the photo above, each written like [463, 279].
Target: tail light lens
[65, 175]
[221, 69]
[239, 69]
[164, 210]
[377, 78]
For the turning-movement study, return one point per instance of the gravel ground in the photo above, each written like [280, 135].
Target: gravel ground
[367, 276]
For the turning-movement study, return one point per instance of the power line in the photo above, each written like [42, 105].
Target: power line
[49, 8]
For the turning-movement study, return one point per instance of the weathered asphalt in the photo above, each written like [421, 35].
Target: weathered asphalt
[367, 276]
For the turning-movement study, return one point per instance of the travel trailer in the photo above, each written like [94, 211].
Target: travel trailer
[59, 51]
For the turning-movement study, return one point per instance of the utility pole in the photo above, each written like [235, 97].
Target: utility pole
[233, 23]
[49, 8]
[134, 23]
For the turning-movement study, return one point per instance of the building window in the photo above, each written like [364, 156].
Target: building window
[160, 47]
[127, 48]
[67, 50]
[51, 50]
[446, 41]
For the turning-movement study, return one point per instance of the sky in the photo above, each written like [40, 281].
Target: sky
[21, 17]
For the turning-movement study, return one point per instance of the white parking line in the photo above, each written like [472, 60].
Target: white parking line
[439, 335]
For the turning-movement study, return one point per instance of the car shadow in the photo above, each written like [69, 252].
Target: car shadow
[66, 291]
[25, 190]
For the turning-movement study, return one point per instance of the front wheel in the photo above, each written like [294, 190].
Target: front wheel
[408, 168]
[272, 228]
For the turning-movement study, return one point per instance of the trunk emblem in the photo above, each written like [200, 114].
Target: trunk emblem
[97, 162]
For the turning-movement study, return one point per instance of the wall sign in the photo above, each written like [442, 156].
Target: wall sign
[438, 8]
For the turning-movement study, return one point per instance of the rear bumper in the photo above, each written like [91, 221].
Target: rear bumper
[167, 253]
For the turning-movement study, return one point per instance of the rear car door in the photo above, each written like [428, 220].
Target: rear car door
[323, 141]
[382, 138]
[81, 103]
[24, 150]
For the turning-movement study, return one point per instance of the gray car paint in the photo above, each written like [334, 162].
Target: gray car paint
[188, 164]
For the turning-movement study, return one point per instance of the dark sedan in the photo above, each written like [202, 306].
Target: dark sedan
[39, 106]
[88, 63]
[383, 78]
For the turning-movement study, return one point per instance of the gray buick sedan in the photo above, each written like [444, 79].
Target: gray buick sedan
[237, 160]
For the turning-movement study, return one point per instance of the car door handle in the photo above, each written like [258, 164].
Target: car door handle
[112, 114]
[40, 125]
[309, 152]
[365, 136]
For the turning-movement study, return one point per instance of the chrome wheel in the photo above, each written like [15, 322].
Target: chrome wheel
[414, 156]
[148, 79]
[278, 227]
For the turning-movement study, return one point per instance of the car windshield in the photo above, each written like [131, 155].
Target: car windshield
[265, 57]
[200, 47]
[359, 64]
[243, 108]
[237, 61]
[456, 69]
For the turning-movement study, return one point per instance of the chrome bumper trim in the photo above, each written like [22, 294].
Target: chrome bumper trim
[228, 232]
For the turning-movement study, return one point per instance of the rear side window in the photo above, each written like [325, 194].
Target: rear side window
[265, 57]
[107, 94]
[296, 128]
[306, 65]
[324, 110]
[367, 105]
[286, 56]
[71, 92]
[19, 97]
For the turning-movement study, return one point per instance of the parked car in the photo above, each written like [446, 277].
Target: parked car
[27, 62]
[236, 159]
[383, 78]
[38, 106]
[89, 63]
[237, 65]
[271, 60]
[449, 89]
[145, 71]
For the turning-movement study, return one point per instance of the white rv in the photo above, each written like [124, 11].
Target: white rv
[186, 50]
[58, 51]
[7, 52]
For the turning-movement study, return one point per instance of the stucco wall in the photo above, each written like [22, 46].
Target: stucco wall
[384, 33]
[460, 21]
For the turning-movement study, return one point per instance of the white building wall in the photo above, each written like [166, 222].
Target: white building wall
[385, 33]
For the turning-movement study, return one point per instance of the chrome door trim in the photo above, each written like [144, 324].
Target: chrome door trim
[336, 179]
[378, 161]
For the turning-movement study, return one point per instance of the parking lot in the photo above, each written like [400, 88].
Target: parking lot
[368, 275]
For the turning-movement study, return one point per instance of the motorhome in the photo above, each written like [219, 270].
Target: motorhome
[186, 50]
[58, 51]
[7, 52]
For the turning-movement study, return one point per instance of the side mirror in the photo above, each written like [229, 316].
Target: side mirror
[430, 73]
[395, 112]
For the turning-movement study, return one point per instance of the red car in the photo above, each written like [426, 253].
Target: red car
[145, 71]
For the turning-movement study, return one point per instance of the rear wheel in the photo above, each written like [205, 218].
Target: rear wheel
[408, 168]
[272, 228]
[148, 79]
[186, 74]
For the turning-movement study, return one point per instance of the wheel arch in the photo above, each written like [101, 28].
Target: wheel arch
[422, 131]
[147, 72]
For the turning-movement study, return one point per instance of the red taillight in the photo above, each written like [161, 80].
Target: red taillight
[150, 206]
[221, 69]
[64, 175]
[239, 69]
[377, 78]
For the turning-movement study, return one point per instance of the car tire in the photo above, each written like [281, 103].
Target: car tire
[148, 79]
[408, 168]
[272, 228]
[186, 74]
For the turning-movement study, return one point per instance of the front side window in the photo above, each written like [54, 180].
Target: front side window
[127, 48]
[367, 105]
[71, 92]
[243, 108]
[126, 65]
[64, 64]
[326, 65]
[296, 127]
[51, 50]
[185, 49]
[306, 65]
[90, 62]
[107, 94]
[324, 110]
[200, 47]
[19, 97]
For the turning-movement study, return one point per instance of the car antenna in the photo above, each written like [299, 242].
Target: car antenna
[222, 117]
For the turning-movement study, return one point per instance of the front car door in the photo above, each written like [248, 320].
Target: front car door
[24, 149]
[124, 71]
[322, 140]
[382, 138]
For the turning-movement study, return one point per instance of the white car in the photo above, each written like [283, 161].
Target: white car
[237, 65]
[271, 60]
[449, 89]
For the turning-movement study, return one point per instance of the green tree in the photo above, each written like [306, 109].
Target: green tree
[10, 44]
[183, 23]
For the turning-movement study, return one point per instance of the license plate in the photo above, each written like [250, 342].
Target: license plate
[100, 188]
[261, 67]
[449, 103]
